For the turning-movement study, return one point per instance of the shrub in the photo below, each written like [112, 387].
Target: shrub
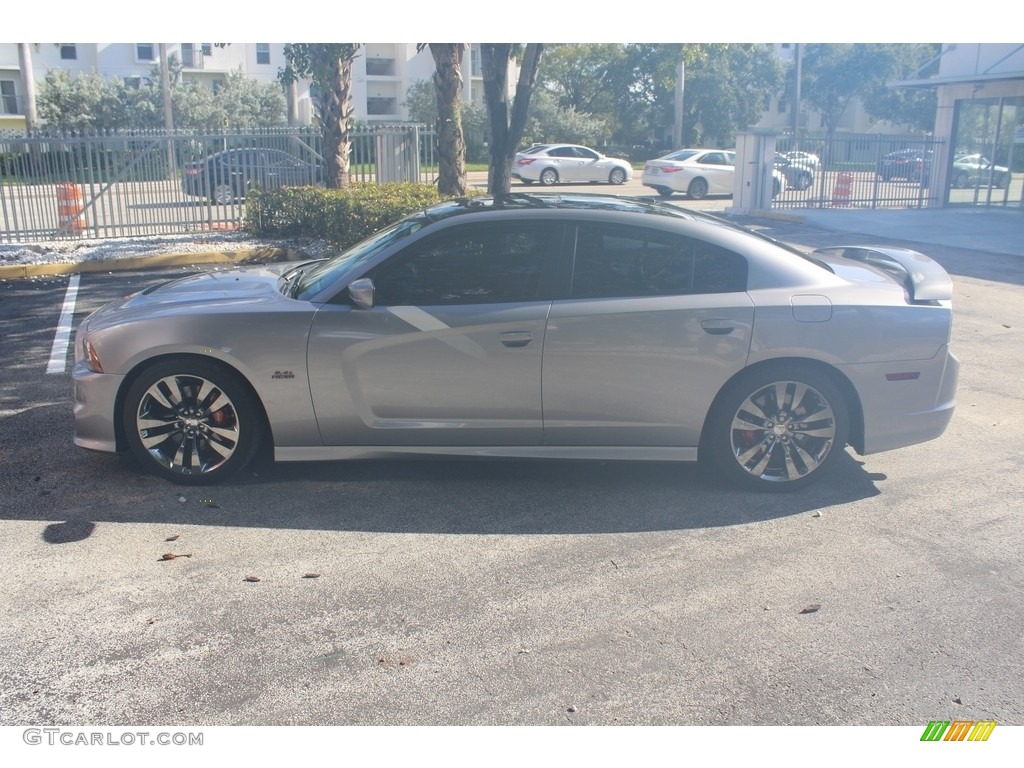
[341, 216]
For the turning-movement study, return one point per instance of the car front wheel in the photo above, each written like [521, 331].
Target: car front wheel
[697, 190]
[778, 428]
[617, 176]
[191, 421]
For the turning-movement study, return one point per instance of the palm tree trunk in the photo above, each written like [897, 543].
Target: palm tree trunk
[451, 143]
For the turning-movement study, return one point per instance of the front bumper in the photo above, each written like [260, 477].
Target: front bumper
[95, 398]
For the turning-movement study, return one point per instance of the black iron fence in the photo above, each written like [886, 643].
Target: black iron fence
[864, 171]
[160, 183]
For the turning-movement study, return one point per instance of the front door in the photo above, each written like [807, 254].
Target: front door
[450, 353]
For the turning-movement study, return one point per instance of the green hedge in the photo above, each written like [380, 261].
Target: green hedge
[341, 216]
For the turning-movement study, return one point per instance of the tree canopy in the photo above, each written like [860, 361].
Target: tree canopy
[90, 103]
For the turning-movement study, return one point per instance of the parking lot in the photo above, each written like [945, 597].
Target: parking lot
[464, 592]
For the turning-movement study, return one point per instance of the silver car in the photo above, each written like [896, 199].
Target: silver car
[583, 327]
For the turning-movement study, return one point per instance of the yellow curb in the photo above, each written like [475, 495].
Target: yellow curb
[15, 271]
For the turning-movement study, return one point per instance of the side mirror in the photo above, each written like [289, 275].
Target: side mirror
[361, 293]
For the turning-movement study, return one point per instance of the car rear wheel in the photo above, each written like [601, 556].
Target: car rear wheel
[804, 181]
[697, 190]
[663, 191]
[778, 428]
[617, 176]
[191, 421]
[223, 194]
[961, 180]
[548, 177]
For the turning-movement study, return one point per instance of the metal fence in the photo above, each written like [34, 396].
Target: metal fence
[159, 183]
[864, 171]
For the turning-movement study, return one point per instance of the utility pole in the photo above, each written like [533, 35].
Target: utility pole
[677, 128]
[28, 85]
[798, 53]
[165, 87]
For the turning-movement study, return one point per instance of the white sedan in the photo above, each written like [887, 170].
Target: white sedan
[554, 163]
[698, 173]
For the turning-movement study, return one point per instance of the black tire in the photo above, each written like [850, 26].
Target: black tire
[961, 180]
[548, 177]
[759, 444]
[697, 190]
[527, 181]
[617, 176]
[187, 440]
[776, 187]
[804, 180]
[223, 194]
[663, 191]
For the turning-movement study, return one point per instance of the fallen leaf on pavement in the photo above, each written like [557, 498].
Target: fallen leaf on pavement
[172, 556]
[251, 578]
[812, 608]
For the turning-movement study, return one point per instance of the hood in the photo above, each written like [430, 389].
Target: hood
[208, 292]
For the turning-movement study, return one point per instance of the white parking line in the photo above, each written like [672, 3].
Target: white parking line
[59, 351]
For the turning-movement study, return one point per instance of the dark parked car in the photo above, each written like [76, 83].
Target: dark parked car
[799, 175]
[909, 164]
[227, 176]
[974, 170]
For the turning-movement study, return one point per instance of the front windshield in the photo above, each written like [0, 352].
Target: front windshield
[322, 274]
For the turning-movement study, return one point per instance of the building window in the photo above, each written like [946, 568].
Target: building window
[216, 86]
[381, 105]
[8, 98]
[68, 51]
[262, 53]
[783, 106]
[188, 55]
[380, 67]
[145, 52]
[475, 70]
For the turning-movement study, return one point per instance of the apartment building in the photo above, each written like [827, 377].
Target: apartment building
[382, 72]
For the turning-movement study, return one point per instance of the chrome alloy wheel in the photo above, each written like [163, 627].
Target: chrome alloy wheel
[783, 431]
[187, 424]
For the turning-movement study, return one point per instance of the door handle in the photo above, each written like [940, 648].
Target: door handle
[717, 327]
[516, 338]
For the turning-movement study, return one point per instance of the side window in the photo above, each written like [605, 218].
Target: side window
[562, 152]
[622, 262]
[586, 153]
[472, 264]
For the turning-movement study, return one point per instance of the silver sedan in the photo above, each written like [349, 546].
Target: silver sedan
[565, 326]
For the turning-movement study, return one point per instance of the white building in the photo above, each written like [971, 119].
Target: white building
[382, 72]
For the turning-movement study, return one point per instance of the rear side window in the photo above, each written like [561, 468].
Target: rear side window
[621, 262]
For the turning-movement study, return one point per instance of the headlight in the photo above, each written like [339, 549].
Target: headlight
[89, 354]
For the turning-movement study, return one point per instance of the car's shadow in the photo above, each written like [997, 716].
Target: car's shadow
[77, 490]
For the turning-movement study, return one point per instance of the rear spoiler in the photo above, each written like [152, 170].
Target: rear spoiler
[923, 278]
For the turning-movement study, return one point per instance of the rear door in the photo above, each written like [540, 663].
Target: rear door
[651, 327]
